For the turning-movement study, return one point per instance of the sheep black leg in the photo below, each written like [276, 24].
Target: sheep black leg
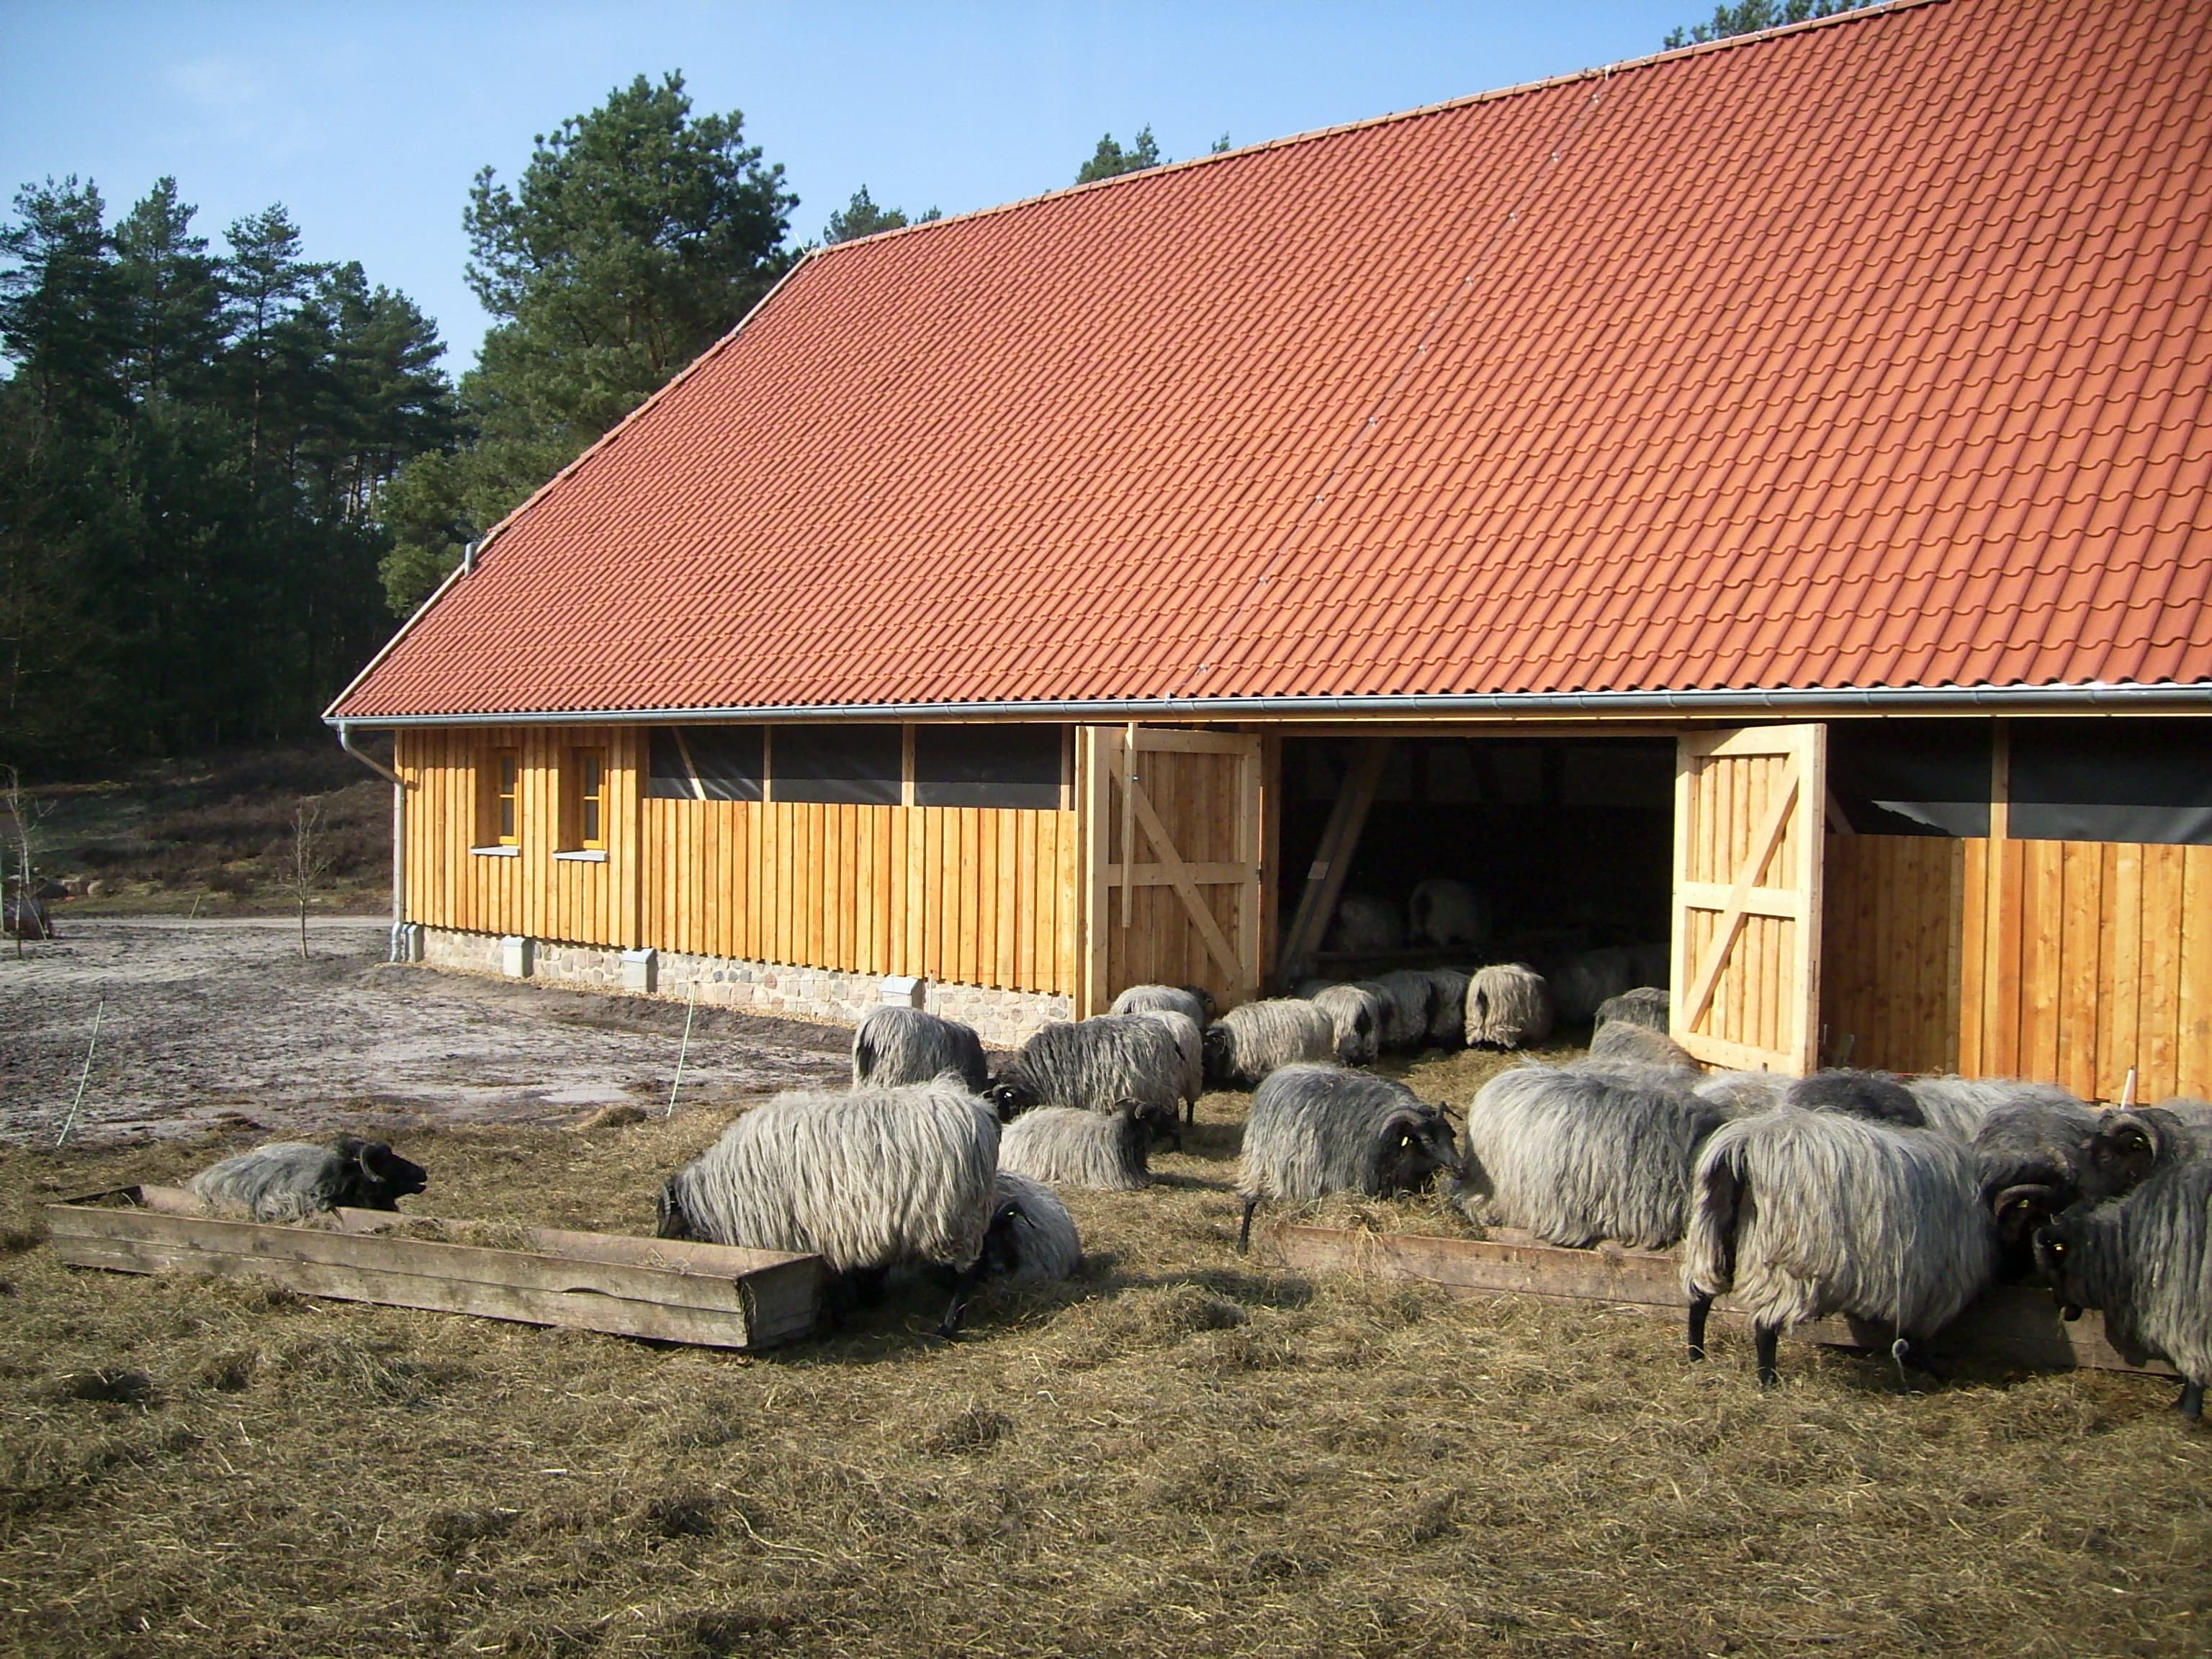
[1244, 1232]
[868, 1284]
[1764, 1340]
[963, 1287]
[2191, 1403]
[1700, 1306]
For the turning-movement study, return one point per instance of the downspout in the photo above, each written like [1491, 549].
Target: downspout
[399, 952]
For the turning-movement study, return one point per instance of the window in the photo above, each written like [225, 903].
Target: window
[587, 799]
[1004, 766]
[499, 805]
[848, 765]
[706, 762]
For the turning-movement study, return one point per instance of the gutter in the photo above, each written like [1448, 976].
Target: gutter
[399, 838]
[2092, 696]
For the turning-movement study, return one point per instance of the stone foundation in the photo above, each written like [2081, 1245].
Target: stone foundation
[1003, 1018]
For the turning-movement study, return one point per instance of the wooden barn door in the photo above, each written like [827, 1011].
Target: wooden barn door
[1748, 812]
[1171, 861]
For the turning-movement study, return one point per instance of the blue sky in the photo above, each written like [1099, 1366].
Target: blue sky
[369, 121]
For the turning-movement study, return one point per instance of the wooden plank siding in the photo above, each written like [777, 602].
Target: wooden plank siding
[2068, 961]
[971, 896]
[574, 900]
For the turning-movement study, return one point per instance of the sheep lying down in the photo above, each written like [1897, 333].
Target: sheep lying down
[287, 1180]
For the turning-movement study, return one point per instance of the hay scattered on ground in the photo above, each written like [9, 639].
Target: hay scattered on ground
[1179, 1452]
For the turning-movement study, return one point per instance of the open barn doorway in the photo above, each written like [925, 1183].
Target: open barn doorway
[1566, 844]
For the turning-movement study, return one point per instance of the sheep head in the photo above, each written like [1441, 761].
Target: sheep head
[1415, 1142]
[670, 1219]
[2129, 1145]
[2059, 1258]
[1010, 1095]
[379, 1177]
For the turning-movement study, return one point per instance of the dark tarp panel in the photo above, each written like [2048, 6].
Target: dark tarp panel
[840, 765]
[704, 762]
[2112, 780]
[1004, 766]
[1912, 777]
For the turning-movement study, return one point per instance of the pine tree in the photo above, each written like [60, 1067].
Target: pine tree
[1110, 161]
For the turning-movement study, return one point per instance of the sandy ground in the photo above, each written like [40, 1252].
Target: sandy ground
[214, 1023]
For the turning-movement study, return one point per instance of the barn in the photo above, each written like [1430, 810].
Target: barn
[1756, 498]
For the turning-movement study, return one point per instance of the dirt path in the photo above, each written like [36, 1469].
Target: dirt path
[214, 1022]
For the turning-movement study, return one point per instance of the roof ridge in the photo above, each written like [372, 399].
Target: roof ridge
[1522, 89]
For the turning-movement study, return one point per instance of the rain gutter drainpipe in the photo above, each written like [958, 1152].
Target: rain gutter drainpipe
[399, 838]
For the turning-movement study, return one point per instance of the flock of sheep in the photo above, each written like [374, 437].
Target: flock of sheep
[1896, 1201]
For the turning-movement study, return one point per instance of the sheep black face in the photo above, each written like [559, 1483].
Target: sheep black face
[1206, 1002]
[380, 1178]
[2129, 1145]
[1002, 1244]
[669, 1220]
[1011, 1098]
[2022, 1212]
[1155, 1126]
[1415, 1146]
[1215, 1048]
[2056, 1258]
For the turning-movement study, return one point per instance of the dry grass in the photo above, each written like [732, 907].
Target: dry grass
[1177, 1454]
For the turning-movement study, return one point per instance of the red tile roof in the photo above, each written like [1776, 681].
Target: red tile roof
[1870, 352]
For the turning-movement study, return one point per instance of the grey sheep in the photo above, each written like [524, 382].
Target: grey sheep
[1365, 925]
[1256, 1038]
[1959, 1105]
[1646, 1004]
[1876, 1096]
[1190, 1043]
[1031, 1234]
[2145, 1258]
[1409, 997]
[1581, 984]
[2035, 1152]
[1508, 1007]
[1576, 1154]
[1192, 1000]
[1806, 1214]
[868, 1181]
[1740, 1093]
[894, 1046]
[1066, 1146]
[1447, 913]
[1447, 1008]
[1619, 1043]
[1095, 1065]
[2127, 1146]
[1358, 1016]
[287, 1180]
[1319, 1129]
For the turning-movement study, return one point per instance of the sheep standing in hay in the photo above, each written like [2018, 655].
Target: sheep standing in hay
[1619, 1043]
[1319, 1129]
[1190, 1043]
[1031, 1234]
[1254, 1039]
[1448, 915]
[287, 1180]
[1643, 1005]
[1803, 1213]
[1508, 1007]
[2145, 1258]
[1066, 1146]
[1093, 1065]
[1194, 1000]
[896, 1046]
[1575, 1154]
[868, 1181]
[1358, 1016]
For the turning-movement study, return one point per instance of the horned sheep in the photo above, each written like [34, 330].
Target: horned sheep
[1257, 1038]
[288, 1180]
[1031, 1234]
[1802, 1214]
[895, 1046]
[1094, 1065]
[868, 1181]
[1508, 1007]
[2145, 1260]
[1319, 1129]
[1579, 1153]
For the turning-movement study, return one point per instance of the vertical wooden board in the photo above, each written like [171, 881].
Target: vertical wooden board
[990, 898]
[1955, 975]
[1028, 830]
[2043, 966]
[2081, 1006]
[931, 821]
[2193, 1042]
[1013, 896]
[1093, 817]
[2119, 957]
[2158, 1002]
[1973, 956]
[971, 895]
[2008, 916]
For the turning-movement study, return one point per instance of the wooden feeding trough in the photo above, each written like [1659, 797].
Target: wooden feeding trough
[2010, 1325]
[709, 1294]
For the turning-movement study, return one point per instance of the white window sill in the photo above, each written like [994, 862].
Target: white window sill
[584, 855]
[496, 852]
